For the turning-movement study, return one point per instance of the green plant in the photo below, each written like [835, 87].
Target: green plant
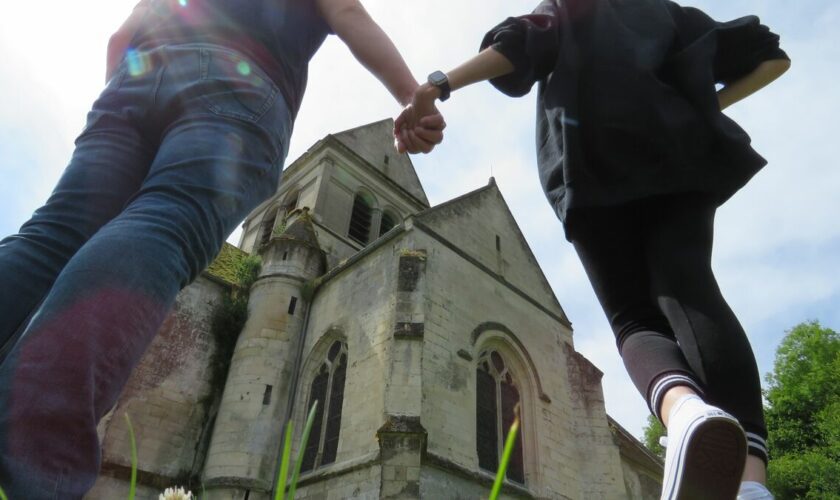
[247, 271]
[282, 474]
[509, 443]
[3, 495]
[133, 487]
[303, 441]
[283, 471]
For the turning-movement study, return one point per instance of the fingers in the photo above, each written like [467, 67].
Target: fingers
[431, 136]
[414, 143]
[433, 122]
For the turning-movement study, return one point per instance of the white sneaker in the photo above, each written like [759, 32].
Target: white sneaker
[751, 490]
[706, 452]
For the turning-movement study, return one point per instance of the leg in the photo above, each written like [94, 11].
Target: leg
[108, 165]
[610, 245]
[108, 302]
[709, 334]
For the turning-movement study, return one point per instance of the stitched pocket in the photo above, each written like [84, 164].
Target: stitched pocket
[233, 86]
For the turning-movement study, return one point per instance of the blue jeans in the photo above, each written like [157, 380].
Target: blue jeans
[183, 143]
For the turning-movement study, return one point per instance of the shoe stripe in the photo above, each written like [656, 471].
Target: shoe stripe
[661, 386]
[677, 476]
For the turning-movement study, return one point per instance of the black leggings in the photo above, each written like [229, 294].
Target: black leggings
[650, 265]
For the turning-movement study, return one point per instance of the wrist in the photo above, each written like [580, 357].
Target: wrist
[428, 92]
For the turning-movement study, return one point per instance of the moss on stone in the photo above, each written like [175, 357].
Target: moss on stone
[226, 264]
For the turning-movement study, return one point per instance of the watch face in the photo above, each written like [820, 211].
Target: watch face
[437, 78]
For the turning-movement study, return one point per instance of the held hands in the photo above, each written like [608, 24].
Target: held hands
[419, 128]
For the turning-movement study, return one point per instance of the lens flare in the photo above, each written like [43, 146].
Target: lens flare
[243, 68]
[138, 62]
[182, 3]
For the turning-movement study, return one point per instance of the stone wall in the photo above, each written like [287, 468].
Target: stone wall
[167, 398]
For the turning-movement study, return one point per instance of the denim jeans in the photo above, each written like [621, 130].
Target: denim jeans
[182, 144]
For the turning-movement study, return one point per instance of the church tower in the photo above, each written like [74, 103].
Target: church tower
[248, 428]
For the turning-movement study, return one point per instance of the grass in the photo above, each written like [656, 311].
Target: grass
[287, 451]
[132, 490]
[3, 495]
[283, 470]
[509, 443]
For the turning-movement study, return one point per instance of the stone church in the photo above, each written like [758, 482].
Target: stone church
[419, 330]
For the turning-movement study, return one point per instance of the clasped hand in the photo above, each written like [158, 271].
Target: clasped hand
[419, 128]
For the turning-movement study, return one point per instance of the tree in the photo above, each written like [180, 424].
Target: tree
[803, 414]
[653, 431]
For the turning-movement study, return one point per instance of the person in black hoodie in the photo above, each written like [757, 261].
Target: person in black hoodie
[189, 135]
[635, 156]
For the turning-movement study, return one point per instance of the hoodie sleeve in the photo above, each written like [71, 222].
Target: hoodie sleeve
[740, 45]
[531, 44]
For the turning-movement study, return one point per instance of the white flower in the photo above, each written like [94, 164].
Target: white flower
[175, 494]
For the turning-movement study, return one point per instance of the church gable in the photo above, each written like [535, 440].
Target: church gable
[374, 144]
[481, 225]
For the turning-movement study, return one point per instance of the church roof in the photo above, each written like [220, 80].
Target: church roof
[481, 225]
[224, 267]
[374, 144]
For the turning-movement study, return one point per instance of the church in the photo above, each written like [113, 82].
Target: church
[420, 330]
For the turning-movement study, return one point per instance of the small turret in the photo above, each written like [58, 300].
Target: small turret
[247, 432]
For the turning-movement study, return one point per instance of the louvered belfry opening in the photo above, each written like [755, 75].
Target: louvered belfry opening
[389, 220]
[496, 398]
[267, 226]
[360, 219]
[328, 389]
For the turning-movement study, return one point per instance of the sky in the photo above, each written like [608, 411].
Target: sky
[777, 242]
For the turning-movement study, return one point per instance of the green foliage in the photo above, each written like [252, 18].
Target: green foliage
[132, 489]
[809, 475]
[803, 414]
[503, 464]
[283, 473]
[3, 495]
[653, 431]
[247, 271]
[310, 420]
[283, 470]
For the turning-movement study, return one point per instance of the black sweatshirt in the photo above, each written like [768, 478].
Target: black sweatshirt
[627, 105]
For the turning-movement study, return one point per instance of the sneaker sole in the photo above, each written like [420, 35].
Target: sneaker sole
[712, 461]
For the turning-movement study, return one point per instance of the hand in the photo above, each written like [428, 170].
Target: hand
[419, 128]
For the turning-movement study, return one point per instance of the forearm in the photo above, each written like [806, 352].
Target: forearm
[370, 46]
[486, 65]
[760, 77]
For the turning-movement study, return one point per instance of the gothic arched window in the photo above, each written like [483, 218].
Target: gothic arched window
[389, 220]
[497, 396]
[360, 219]
[328, 389]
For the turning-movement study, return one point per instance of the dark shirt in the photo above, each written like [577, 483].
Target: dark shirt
[627, 105]
[280, 36]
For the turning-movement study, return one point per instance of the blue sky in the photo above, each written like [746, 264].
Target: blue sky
[777, 254]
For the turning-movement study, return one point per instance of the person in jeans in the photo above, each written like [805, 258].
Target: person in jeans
[189, 135]
[635, 156]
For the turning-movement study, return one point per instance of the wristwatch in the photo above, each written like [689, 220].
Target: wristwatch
[439, 80]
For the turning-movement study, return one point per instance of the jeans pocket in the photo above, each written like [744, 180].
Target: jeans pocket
[233, 86]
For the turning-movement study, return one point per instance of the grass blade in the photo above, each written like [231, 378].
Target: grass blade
[303, 441]
[509, 442]
[3, 495]
[282, 474]
[133, 487]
